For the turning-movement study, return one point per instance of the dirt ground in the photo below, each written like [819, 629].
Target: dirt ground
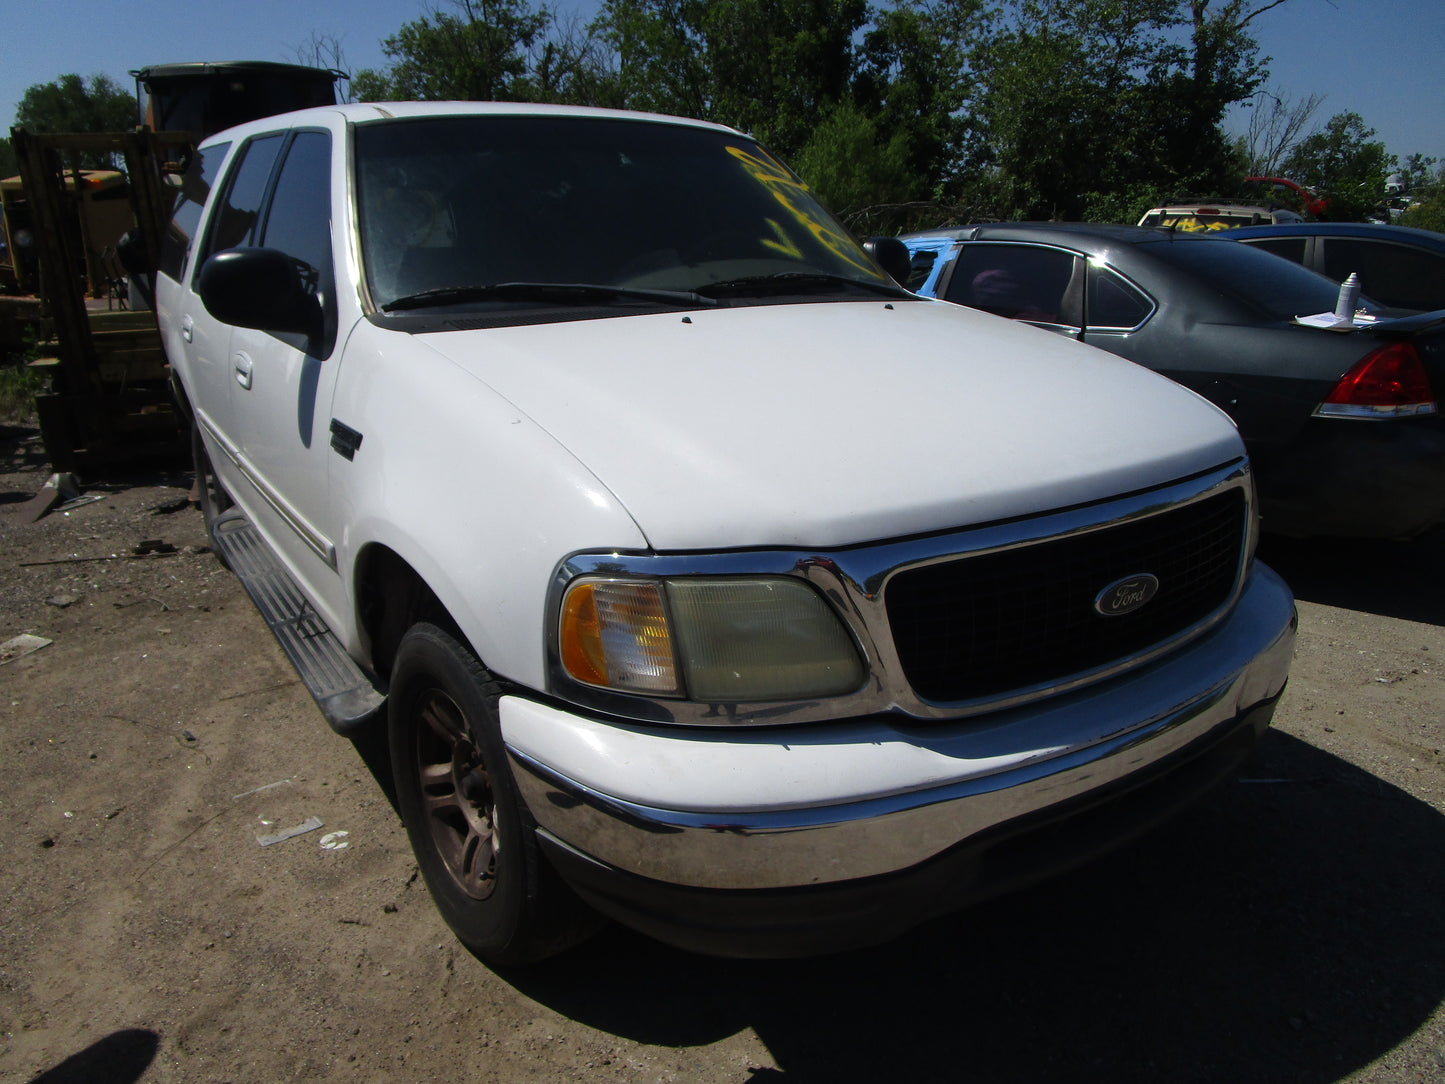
[1289, 928]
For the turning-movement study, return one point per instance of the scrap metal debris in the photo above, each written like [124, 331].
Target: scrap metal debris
[310, 824]
[19, 646]
[89, 498]
[57, 487]
[112, 557]
[258, 790]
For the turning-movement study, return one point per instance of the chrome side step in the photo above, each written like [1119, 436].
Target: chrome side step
[346, 695]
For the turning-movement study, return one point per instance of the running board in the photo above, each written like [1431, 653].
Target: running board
[345, 694]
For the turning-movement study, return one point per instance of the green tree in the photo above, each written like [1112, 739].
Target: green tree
[9, 164]
[1107, 97]
[852, 168]
[1030, 108]
[1277, 122]
[70, 104]
[1428, 210]
[778, 67]
[660, 55]
[1429, 214]
[1344, 162]
[487, 50]
[915, 78]
[775, 68]
[1421, 173]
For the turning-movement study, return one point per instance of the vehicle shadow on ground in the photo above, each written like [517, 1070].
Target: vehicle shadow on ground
[120, 1058]
[1289, 927]
[1394, 579]
[370, 743]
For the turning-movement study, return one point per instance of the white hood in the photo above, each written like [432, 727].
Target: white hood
[820, 425]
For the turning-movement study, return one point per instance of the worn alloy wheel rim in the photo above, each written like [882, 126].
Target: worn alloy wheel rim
[456, 793]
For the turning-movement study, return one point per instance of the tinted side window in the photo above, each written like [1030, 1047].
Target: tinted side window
[1291, 248]
[1409, 278]
[195, 190]
[298, 221]
[234, 223]
[1021, 282]
[1114, 303]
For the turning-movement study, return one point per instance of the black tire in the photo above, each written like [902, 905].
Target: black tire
[213, 496]
[473, 837]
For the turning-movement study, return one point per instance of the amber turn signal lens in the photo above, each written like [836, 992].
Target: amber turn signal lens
[614, 635]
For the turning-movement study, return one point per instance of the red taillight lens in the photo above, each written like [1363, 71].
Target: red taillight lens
[1385, 383]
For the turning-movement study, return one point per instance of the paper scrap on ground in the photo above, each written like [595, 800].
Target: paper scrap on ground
[1330, 322]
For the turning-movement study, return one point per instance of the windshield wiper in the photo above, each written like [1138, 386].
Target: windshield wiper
[792, 282]
[549, 293]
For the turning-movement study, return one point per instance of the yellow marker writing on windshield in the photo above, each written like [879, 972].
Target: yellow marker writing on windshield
[794, 196]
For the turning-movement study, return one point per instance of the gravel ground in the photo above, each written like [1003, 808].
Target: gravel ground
[1289, 928]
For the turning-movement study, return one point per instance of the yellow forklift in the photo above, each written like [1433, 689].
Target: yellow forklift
[109, 405]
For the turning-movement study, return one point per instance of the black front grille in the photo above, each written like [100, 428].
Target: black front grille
[982, 626]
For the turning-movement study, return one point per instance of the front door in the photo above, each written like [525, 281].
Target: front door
[284, 381]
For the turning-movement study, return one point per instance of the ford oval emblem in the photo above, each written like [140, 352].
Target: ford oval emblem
[1126, 595]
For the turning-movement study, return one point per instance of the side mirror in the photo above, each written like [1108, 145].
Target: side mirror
[261, 288]
[892, 255]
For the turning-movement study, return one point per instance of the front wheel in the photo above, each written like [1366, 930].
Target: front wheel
[471, 833]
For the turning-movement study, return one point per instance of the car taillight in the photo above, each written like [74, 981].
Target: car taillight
[1386, 383]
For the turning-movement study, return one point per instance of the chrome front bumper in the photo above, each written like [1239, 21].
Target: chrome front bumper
[789, 807]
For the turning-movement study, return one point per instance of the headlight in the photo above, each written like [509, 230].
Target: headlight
[715, 640]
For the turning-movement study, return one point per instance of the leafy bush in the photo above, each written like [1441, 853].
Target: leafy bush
[1429, 215]
[18, 387]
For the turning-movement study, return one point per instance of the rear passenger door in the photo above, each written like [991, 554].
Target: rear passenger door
[197, 355]
[205, 340]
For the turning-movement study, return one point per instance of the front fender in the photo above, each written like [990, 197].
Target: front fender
[470, 492]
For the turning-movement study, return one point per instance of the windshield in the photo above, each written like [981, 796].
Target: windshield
[450, 203]
[1279, 288]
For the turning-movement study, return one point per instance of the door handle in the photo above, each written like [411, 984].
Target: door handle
[187, 328]
[242, 363]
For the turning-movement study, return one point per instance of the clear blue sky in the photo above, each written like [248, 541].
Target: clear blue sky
[1383, 59]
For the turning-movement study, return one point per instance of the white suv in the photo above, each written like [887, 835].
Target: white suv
[1200, 217]
[702, 571]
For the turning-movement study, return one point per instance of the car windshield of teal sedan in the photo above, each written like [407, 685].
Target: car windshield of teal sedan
[451, 207]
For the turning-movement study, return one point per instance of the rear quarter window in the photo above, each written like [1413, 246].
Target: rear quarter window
[1113, 303]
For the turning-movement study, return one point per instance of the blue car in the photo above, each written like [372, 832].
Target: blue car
[1399, 267]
